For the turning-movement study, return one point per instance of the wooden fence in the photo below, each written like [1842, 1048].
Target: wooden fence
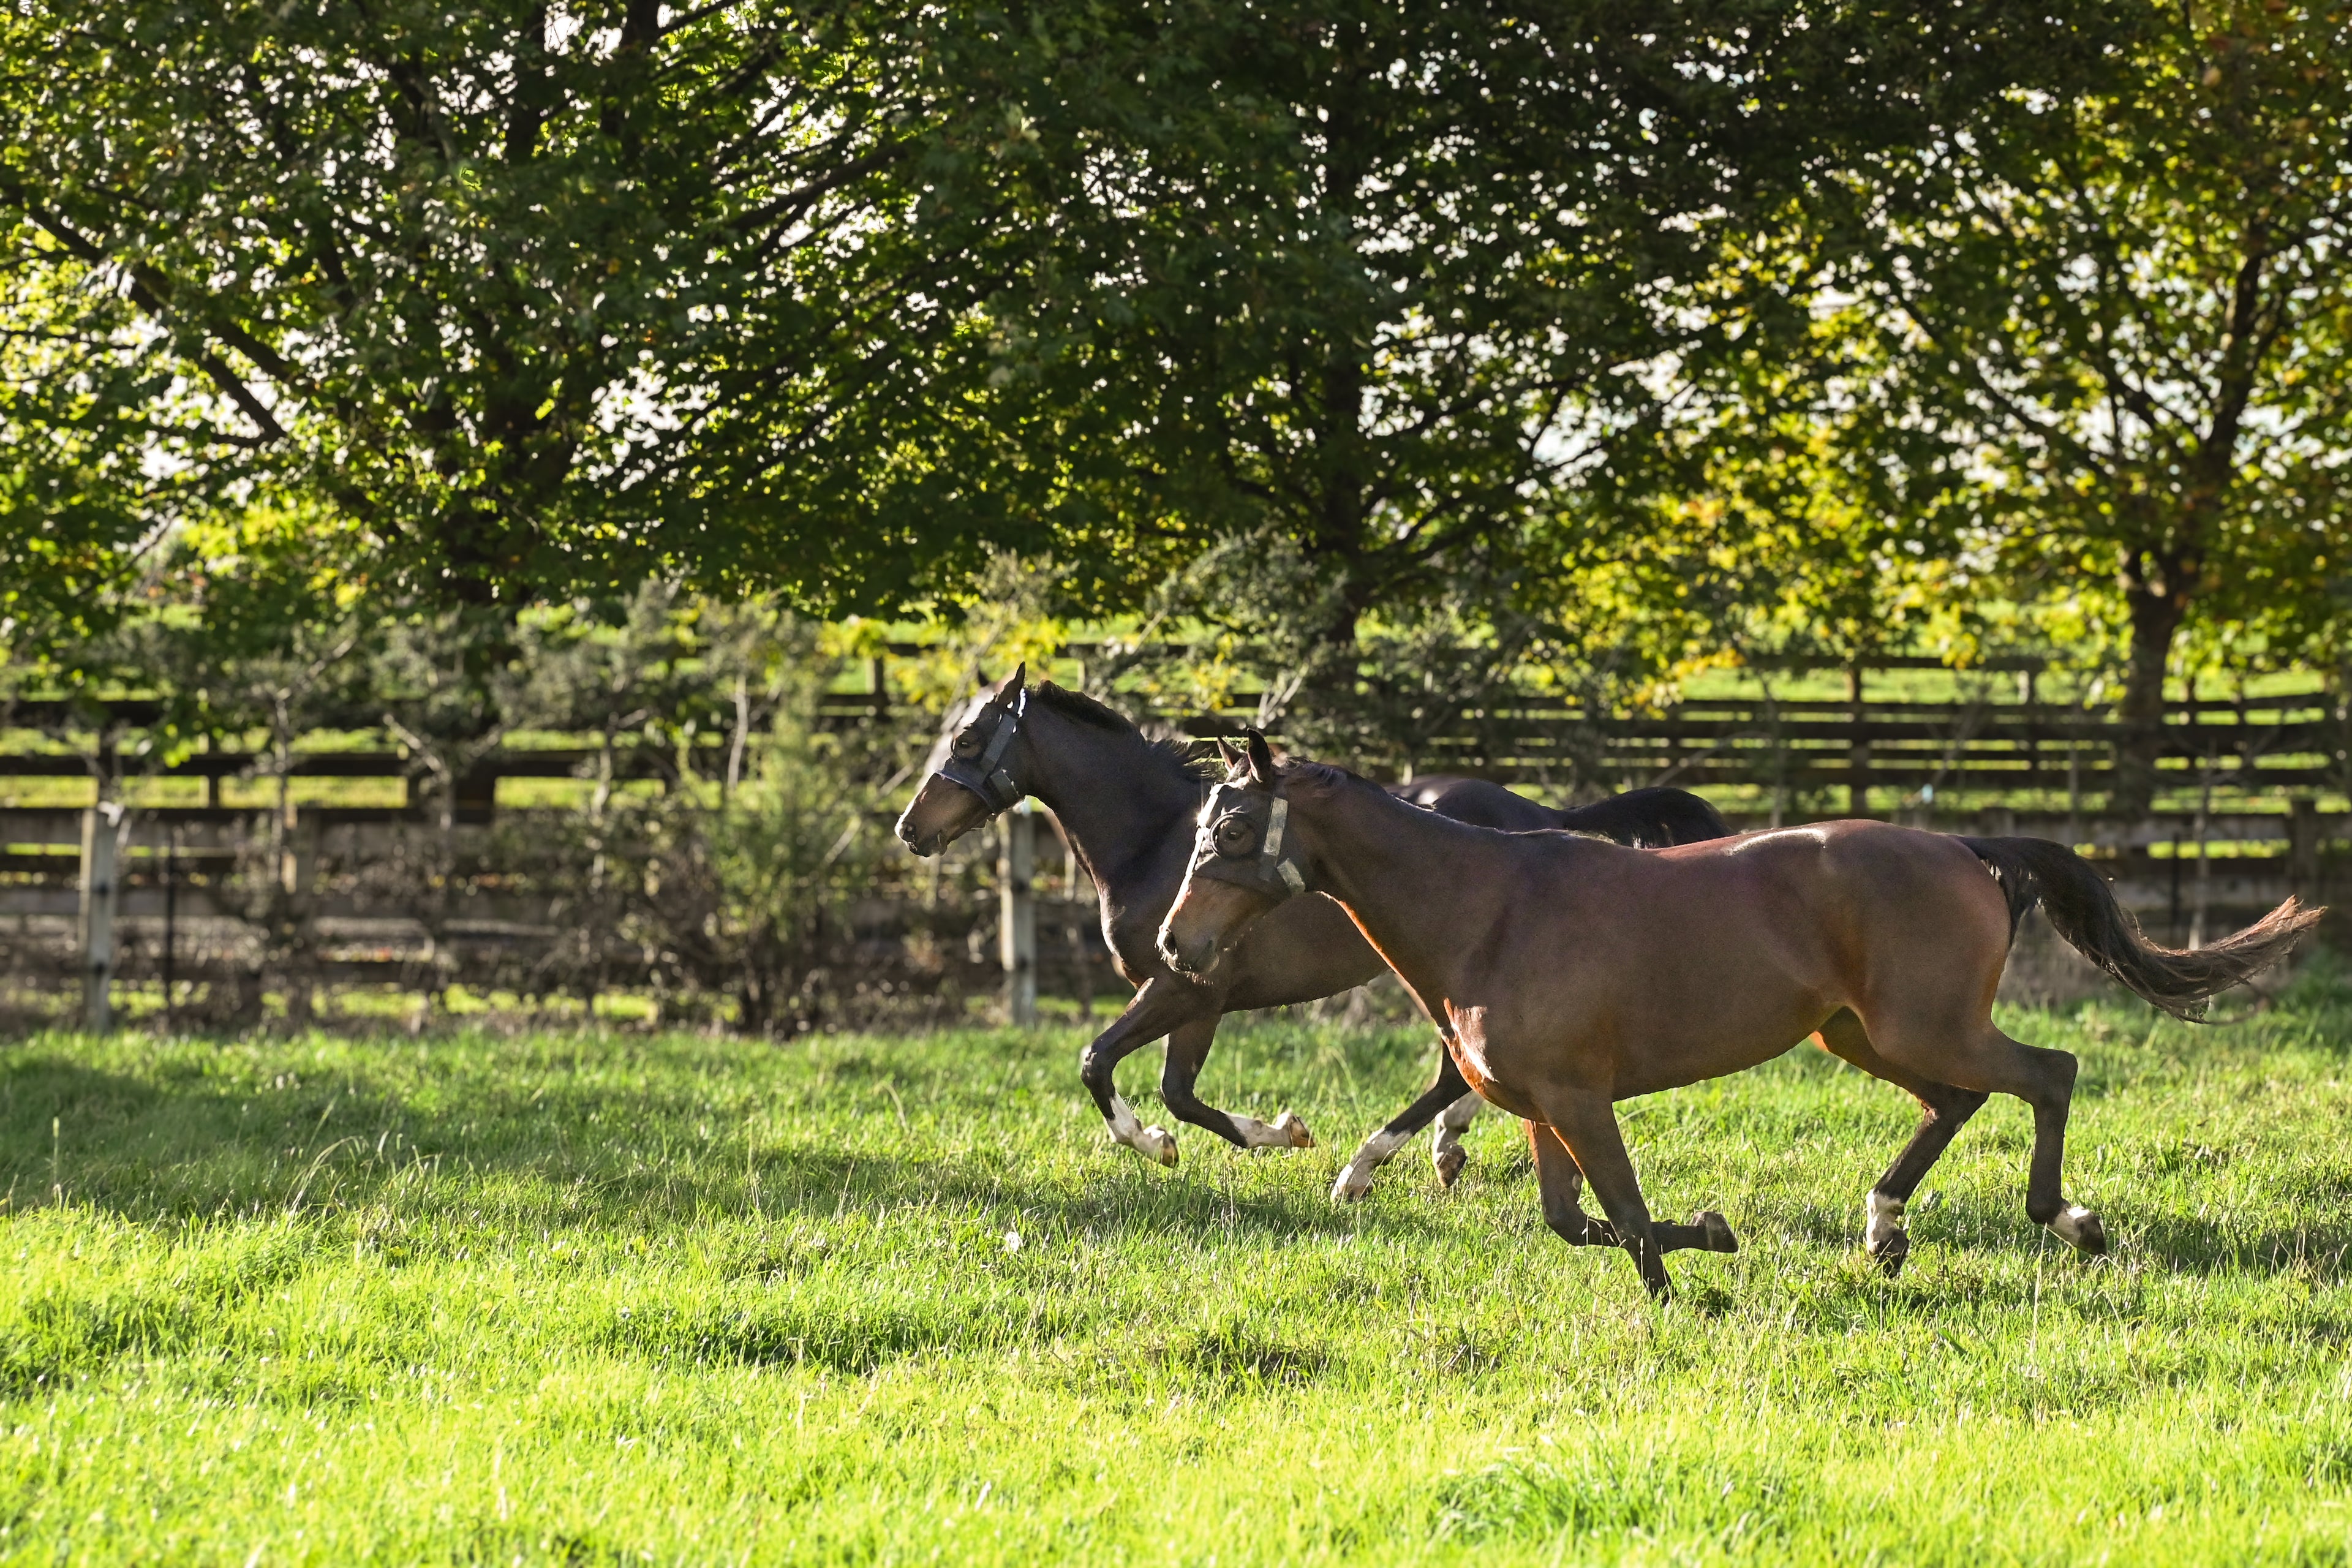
[1869, 751]
[101, 894]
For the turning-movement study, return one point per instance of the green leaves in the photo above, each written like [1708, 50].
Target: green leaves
[545, 301]
[1591, 330]
[2107, 318]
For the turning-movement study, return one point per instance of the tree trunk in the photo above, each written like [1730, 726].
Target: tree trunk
[2158, 593]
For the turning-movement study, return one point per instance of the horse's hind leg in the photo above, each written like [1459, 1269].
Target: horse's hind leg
[1446, 1144]
[1990, 1062]
[1443, 1095]
[2052, 1097]
[1188, 1049]
[1945, 1109]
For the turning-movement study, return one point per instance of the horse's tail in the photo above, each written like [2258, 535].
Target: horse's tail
[2083, 910]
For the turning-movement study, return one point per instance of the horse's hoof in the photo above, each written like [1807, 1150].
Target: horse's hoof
[1718, 1231]
[1351, 1186]
[1449, 1164]
[2080, 1228]
[1890, 1251]
[1290, 1127]
[1157, 1143]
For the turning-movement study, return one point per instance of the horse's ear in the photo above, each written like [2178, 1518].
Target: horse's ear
[1013, 685]
[1261, 755]
[1227, 755]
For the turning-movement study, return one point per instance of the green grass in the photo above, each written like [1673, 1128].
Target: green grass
[597, 1299]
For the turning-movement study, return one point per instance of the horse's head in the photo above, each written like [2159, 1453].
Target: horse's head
[1245, 860]
[971, 772]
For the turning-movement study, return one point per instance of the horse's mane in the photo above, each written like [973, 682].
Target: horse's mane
[1326, 777]
[1321, 775]
[1180, 752]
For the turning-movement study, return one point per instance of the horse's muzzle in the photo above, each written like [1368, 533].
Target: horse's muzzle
[1192, 958]
[941, 811]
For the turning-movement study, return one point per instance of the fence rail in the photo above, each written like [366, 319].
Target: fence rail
[173, 908]
[2297, 742]
[1698, 745]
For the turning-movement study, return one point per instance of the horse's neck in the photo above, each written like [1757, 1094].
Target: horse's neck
[1116, 797]
[1418, 885]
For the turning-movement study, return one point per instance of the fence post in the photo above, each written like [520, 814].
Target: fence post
[1857, 788]
[171, 928]
[298, 871]
[102, 842]
[2303, 848]
[1016, 869]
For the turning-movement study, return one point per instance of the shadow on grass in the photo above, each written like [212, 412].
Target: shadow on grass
[180, 1145]
[2166, 1239]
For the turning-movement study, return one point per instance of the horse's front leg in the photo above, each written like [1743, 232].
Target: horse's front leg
[1561, 1188]
[1586, 1122]
[1162, 1005]
[1188, 1049]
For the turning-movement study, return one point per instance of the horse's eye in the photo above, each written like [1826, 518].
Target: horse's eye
[1234, 836]
[967, 745]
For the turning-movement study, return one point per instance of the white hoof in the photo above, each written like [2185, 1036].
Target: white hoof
[1290, 1127]
[2080, 1228]
[1156, 1143]
[1886, 1221]
[1356, 1178]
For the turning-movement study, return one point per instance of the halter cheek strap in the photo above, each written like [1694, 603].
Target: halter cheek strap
[989, 778]
[1270, 858]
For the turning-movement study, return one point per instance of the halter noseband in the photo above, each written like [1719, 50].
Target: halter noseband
[1259, 862]
[989, 778]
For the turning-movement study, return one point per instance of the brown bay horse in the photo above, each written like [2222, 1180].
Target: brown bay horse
[1127, 804]
[1566, 974]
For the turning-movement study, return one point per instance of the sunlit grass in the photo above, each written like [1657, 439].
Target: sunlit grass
[596, 1297]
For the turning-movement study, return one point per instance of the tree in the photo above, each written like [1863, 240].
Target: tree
[94, 445]
[1362, 322]
[2110, 327]
[546, 298]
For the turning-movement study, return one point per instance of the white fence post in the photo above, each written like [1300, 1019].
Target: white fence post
[1016, 872]
[102, 831]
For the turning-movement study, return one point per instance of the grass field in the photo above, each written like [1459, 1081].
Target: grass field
[594, 1299]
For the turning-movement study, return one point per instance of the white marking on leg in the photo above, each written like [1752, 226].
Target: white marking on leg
[1152, 1142]
[2074, 1226]
[1356, 1179]
[1285, 1132]
[1885, 1221]
[1457, 1116]
[1446, 1140]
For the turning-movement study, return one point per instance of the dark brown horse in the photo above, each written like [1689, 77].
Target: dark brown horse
[1567, 974]
[1127, 804]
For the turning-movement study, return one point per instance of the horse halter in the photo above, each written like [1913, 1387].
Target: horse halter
[1242, 841]
[983, 772]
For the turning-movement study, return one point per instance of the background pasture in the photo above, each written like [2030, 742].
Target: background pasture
[577, 1298]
